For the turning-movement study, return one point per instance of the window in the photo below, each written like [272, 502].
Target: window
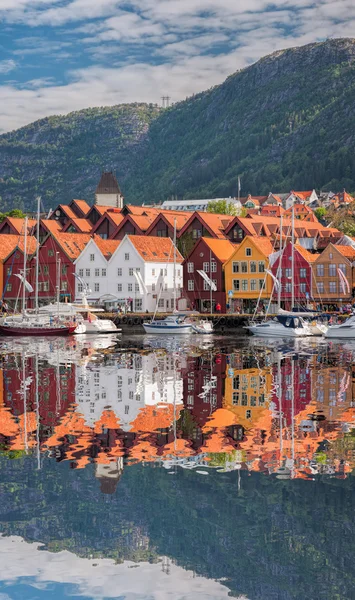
[92, 257]
[136, 287]
[236, 285]
[130, 287]
[103, 272]
[46, 270]
[138, 304]
[130, 272]
[172, 303]
[196, 233]
[244, 267]
[64, 269]
[190, 267]
[213, 266]
[190, 285]
[64, 286]
[165, 272]
[153, 272]
[303, 288]
[96, 287]
[320, 270]
[244, 285]
[248, 414]
[126, 256]
[252, 266]
[81, 272]
[8, 271]
[119, 272]
[342, 267]
[320, 286]
[247, 251]
[97, 272]
[303, 273]
[161, 272]
[288, 288]
[252, 285]
[9, 287]
[161, 303]
[332, 270]
[206, 267]
[261, 284]
[80, 287]
[261, 266]
[205, 285]
[236, 267]
[46, 286]
[50, 252]
[236, 382]
[119, 287]
[288, 273]
[332, 287]
[87, 272]
[153, 287]
[235, 398]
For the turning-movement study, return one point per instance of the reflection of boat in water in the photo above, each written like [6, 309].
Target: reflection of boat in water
[84, 316]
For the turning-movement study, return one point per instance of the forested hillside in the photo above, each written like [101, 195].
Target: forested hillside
[286, 122]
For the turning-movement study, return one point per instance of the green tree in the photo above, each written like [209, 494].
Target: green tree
[320, 212]
[222, 207]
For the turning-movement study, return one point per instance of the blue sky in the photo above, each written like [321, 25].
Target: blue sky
[62, 55]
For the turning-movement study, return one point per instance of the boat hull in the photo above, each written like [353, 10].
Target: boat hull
[99, 326]
[167, 329]
[340, 332]
[278, 332]
[36, 331]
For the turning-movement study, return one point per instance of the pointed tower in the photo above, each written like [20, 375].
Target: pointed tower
[108, 191]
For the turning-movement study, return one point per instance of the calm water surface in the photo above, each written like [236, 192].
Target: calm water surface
[181, 469]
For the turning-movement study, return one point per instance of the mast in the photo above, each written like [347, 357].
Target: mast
[37, 252]
[37, 417]
[58, 279]
[24, 267]
[174, 272]
[293, 259]
[279, 272]
[211, 281]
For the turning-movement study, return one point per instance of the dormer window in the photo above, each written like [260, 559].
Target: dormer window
[92, 257]
[247, 251]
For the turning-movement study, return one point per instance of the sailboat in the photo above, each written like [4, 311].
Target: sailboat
[33, 324]
[172, 324]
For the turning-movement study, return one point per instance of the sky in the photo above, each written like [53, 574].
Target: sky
[57, 56]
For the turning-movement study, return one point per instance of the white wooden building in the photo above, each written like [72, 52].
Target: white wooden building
[136, 273]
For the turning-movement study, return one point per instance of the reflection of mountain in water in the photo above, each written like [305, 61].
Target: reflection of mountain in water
[271, 539]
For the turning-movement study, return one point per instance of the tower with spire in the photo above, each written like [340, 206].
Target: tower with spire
[108, 191]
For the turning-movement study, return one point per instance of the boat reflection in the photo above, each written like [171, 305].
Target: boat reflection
[284, 409]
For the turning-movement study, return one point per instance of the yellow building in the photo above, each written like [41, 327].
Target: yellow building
[247, 394]
[245, 274]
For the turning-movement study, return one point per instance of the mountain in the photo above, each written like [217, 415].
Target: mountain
[286, 122]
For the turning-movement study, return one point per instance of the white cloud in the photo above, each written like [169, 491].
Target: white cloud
[20, 559]
[7, 65]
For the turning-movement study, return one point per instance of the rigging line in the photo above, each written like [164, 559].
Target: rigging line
[11, 266]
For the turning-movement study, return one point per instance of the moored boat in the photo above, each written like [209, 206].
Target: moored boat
[174, 324]
[281, 326]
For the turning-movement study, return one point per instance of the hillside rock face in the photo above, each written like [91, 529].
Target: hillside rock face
[286, 122]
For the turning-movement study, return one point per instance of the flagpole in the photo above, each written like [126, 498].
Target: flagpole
[211, 280]
[24, 267]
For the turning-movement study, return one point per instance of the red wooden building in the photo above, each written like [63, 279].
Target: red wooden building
[208, 255]
[302, 284]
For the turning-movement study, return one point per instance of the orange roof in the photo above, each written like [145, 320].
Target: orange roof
[155, 249]
[51, 225]
[347, 251]
[81, 225]
[272, 208]
[107, 247]
[217, 223]
[9, 241]
[158, 416]
[72, 243]
[83, 205]
[263, 244]
[101, 209]
[141, 210]
[143, 222]
[307, 255]
[68, 211]
[302, 195]
[181, 217]
[19, 224]
[222, 249]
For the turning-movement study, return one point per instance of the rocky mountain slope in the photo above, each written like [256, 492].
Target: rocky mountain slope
[286, 122]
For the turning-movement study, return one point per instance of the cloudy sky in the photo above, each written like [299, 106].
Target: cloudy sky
[62, 55]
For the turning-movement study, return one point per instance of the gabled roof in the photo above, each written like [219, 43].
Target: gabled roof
[169, 217]
[100, 209]
[214, 223]
[302, 195]
[51, 226]
[222, 249]
[263, 244]
[142, 223]
[9, 242]
[272, 209]
[80, 225]
[115, 218]
[72, 244]
[108, 184]
[134, 209]
[82, 205]
[155, 249]
[308, 256]
[18, 225]
[107, 247]
[67, 211]
[347, 251]
[299, 209]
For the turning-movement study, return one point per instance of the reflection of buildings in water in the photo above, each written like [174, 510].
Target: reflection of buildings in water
[247, 394]
[203, 384]
[128, 386]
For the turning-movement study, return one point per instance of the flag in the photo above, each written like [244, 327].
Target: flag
[276, 281]
[209, 281]
[141, 284]
[344, 284]
[28, 286]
